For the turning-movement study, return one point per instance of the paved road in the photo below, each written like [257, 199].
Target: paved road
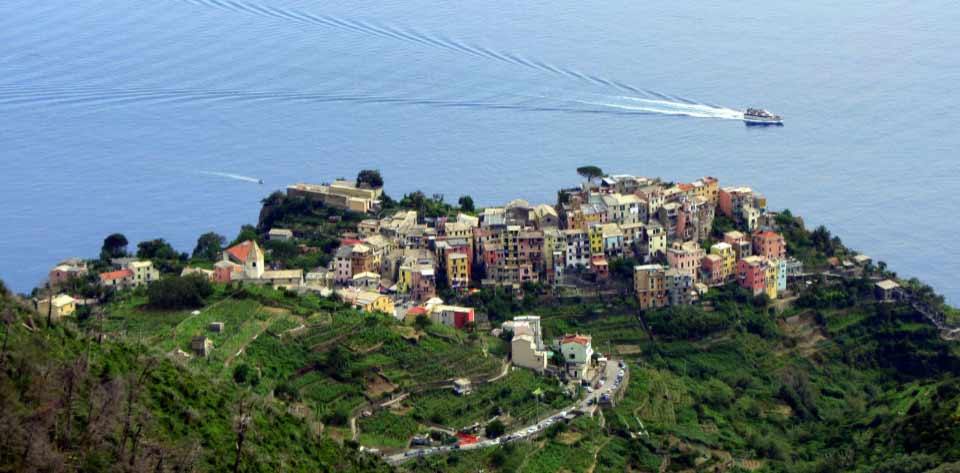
[610, 384]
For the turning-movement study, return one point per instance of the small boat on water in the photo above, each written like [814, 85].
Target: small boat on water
[260, 181]
[761, 116]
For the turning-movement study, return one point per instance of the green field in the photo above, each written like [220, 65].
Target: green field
[512, 394]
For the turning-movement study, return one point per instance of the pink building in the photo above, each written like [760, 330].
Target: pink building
[687, 258]
[713, 269]
[752, 274]
[66, 270]
[770, 245]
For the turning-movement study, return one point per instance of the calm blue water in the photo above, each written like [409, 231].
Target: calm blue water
[124, 115]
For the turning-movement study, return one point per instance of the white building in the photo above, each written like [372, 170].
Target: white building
[577, 350]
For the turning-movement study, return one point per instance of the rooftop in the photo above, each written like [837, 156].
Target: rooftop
[123, 273]
[888, 284]
[241, 251]
[581, 339]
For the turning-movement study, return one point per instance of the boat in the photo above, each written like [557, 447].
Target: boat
[260, 181]
[761, 116]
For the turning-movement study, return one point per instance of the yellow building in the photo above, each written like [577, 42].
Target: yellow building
[770, 280]
[404, 278]
[458, 270]
[708, 188]
[63, 306]
[726, 252]
[596, 240]
[367, 301]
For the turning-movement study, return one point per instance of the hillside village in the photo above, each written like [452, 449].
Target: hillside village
[417, 330]
[678, 240]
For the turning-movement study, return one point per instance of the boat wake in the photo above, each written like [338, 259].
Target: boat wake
[12, 96]
[236, 177]
[668, 107]
[410, 35]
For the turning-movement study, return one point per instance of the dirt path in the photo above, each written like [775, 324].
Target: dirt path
[263, 327]
[596, 454]
[503, 372]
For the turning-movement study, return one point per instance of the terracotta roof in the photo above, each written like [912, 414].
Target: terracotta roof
[767, 234]
[418, 311]
[123, 273]
[350, 241]
[241, 251]
[583, 340]
[685, 187]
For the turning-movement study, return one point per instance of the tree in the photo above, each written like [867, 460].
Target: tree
[209, 246]
[174, 293]
[338, 363]
[114, 246]
[286, 392]
[244, 374]
[421, 322]
[370, 178]
[244, 420]
[495, 429]
[466, 203]
[247, 232]
[156, 249]
[590, 172]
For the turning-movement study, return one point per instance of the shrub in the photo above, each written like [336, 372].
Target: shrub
[495, 429]
[286, 392]
[179, 292]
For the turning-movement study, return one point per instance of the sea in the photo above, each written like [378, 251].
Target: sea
[159, 118]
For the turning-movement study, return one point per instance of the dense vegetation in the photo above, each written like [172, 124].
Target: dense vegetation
[68, 403]
[830, 380]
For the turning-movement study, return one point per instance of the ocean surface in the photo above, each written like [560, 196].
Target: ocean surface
[157, 118]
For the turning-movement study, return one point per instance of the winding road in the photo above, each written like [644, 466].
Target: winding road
[586, 405]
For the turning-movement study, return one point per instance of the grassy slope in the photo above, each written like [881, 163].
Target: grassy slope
[185, 418]
[862, 388]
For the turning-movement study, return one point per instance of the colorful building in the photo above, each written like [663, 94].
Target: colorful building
[687, 258]
[769, 244]
[649, 282]
[577, 352]
[770, 279]
[367, 301]
[596, 240]
[241, 261]
[452, 316]
[740, 243]
[713, 270]
[58, 306]
[725, 251]
[458, 270]
[752, 274]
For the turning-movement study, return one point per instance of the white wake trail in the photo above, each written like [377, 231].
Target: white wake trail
[232, 176]
[667, 107]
